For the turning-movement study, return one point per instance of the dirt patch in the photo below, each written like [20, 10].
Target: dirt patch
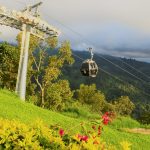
[138, 130]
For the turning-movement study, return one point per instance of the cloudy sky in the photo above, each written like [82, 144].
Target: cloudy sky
[115, 27]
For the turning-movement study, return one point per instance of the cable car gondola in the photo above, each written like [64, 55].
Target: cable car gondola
[89, 67]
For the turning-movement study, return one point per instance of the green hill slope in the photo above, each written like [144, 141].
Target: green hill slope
[12, 108]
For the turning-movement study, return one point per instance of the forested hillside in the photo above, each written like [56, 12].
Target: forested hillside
[137, 90]
[112, 86]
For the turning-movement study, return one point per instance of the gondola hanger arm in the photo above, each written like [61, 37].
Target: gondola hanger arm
[91, 51]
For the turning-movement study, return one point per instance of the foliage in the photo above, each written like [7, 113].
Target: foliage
[109, 107]
[124, 106]
[91, 96]
[57, 95]
[15, 135]
[9, 58]
[144, 116]
[52, 42]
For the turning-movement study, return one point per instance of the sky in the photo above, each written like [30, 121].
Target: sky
[114, 27]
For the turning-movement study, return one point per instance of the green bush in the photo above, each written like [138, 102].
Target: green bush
[89, 95]
[57, 95]
[124, 106]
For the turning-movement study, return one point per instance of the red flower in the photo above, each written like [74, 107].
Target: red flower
[83, 137]
[106, 118]
[61, 132]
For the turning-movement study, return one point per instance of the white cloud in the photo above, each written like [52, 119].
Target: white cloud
[97, 21]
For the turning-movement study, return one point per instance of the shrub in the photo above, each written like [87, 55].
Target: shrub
[124, 106]
[57, 95]
[91, 96]
[16, 135]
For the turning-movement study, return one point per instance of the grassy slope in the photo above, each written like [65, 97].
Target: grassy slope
[12, 108]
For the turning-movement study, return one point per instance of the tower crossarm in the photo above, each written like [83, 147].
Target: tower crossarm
[16, 19]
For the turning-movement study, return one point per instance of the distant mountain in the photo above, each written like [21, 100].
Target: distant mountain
[122, 83]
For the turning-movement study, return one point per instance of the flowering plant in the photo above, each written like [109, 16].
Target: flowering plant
[16, 135]
[90, 139]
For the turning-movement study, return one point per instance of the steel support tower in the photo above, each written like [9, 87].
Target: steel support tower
[29, 22]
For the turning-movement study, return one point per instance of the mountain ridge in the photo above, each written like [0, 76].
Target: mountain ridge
[111, 85]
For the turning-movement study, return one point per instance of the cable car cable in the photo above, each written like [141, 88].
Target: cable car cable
[117, 78]
[20, 2]
[147, 76]
[80, 35]
[122, 69]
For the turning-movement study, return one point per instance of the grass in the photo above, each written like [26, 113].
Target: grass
[125, 122]
[139, 141]
[80, 111]
[12, 108]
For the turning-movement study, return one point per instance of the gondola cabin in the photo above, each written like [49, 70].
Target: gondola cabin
[89, 68]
